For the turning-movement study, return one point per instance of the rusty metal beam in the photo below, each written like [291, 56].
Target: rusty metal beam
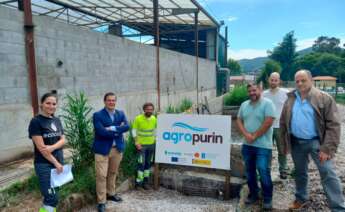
[195, 2]
[157, 43]
[196, 33]
[30, 54]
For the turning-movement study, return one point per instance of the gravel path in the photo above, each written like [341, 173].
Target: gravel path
[166, 200]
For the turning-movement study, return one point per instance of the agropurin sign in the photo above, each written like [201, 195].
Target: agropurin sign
[194, 140]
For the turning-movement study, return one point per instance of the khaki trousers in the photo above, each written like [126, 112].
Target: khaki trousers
[106, 170]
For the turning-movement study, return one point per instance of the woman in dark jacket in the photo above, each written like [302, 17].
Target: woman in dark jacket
[48, 138]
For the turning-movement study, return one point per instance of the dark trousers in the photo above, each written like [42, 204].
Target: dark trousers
[258, 159]
[50, 197]
[145, 161]
[300, 152]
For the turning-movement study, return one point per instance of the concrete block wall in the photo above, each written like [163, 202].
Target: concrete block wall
[92, 62]
[15, 108]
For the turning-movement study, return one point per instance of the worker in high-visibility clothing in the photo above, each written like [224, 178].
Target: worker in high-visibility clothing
[144, 133]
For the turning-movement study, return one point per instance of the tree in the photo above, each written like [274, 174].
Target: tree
[327, 44]
[323, 64]
[270, 67]
[343, 51]
[340, 73]
[235, 68]
[285, 54]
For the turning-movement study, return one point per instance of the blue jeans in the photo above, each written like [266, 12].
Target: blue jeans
[50, 197]
[258, 159]
[300, 151]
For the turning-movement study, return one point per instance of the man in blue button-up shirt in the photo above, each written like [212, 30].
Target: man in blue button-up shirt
[303, 115]
[110, 124]
[310, 127]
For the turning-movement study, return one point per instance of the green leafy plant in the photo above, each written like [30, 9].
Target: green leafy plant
[236, 96]
[79, 130]
[84, 182]
[79, 134]
[185, 104]
[129, 161]
[172, 109]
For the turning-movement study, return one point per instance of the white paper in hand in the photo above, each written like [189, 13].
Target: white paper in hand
[64, 177]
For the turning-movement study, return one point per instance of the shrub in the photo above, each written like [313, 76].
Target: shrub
[79, 130]
[236, 96]
[172, 109]
[186, 104]
[84, 182]
[129, 161]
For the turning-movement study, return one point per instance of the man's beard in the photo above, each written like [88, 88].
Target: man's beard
[254, 97]
[148, 114]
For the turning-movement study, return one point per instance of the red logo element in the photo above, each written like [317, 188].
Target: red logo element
[197, 155]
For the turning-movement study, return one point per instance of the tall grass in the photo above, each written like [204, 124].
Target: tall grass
[185, 105]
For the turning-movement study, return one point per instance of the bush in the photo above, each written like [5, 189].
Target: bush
[186, 104]
[129, 161]
[84, 182]
[236, 96]
[79, 134]
[79, 130]
[172, 109]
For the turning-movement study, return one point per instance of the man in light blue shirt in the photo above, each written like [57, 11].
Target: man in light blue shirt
[303, 115]
[311, 129]
[255, 119]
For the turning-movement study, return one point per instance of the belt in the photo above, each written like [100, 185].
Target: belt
[304, 139]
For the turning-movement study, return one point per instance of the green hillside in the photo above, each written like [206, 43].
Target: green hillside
[249, 65]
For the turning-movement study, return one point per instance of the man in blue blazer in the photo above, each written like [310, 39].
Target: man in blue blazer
[108, 145]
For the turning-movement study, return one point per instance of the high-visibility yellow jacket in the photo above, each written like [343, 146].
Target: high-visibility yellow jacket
[144, 129]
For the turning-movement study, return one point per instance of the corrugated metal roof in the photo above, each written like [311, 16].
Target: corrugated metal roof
[96, 13]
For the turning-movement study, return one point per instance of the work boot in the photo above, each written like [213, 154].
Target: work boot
[251, 200]
[139, 186]
[114, 198]
[146, 186]
[267, 205]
